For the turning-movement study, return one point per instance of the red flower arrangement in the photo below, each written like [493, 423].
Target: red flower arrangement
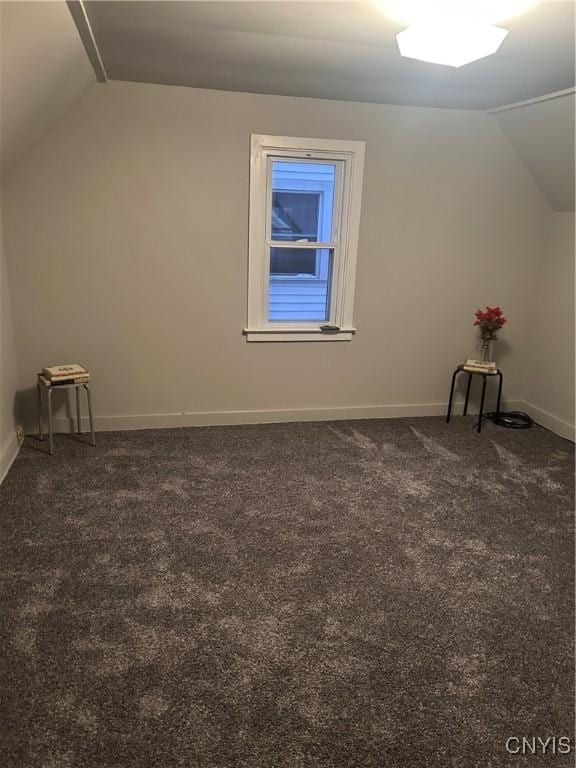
[489, 321]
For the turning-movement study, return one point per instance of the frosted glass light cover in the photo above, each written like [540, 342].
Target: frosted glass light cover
[453, 43]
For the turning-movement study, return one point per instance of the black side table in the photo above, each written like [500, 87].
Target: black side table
[460, 369]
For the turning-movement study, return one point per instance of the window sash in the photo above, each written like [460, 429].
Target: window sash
[332, 245]
[310, 160]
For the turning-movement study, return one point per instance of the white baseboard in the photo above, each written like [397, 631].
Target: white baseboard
[548, 420]
[507, 405]
[7, 455]
[215, 418]
[220, 418]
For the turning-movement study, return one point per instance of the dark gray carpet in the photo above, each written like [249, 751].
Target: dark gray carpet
[369, 594]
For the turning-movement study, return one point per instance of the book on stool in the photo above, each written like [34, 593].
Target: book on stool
[479, 366]
[73, 373]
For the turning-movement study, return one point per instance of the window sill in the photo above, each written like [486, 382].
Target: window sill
[286, 334]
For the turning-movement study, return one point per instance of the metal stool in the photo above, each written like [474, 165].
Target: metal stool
[460, 369]
[49, 389]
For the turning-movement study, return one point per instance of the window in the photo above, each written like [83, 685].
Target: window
[304, 219]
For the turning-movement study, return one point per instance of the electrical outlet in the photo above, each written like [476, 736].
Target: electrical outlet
[20, 434]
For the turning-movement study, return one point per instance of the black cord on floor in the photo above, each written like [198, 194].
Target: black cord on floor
[510, 419]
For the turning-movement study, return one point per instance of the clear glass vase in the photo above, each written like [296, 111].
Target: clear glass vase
[486, 351]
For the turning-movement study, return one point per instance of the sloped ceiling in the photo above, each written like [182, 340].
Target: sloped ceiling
[44, 68]
[333, 50]
[543, 135]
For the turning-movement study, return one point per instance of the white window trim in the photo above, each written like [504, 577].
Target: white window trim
[352, 152]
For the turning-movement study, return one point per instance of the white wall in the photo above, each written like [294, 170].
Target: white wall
[543, 134]
[43, 69]
[549, 382]
[127, 233]
[8, 371]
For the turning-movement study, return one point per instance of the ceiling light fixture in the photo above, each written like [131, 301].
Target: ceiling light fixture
[453, 42]
[451, 32]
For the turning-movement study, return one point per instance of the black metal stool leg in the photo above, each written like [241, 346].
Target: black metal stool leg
[498, 401]
[482, 402]
[467, 394]
[456, 372]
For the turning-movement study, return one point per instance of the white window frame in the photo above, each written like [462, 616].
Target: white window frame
[344, 242]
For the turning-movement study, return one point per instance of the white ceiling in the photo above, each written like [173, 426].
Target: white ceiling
[543, 135]
[335, 50]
